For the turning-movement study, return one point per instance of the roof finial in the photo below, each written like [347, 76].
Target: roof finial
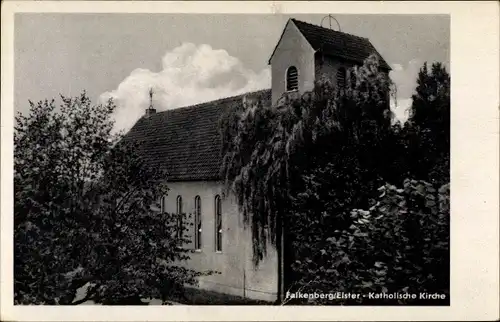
[150, 97]
[150, 110]
[330, 17]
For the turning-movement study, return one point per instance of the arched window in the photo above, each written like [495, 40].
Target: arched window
[218, 224]
[292, 78]
[197, 222]
[180, 226]
[163, 204]
[341, 76]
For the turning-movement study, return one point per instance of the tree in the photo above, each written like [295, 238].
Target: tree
[427, 132]
[431, 100]
[83, 212]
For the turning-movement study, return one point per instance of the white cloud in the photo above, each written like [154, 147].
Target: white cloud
[405, 77]
[397, 67]
[401, 109]
[191, 74]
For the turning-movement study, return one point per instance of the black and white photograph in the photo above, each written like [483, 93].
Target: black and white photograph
[232, 159]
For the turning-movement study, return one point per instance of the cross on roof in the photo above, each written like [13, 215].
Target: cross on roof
[150, 97]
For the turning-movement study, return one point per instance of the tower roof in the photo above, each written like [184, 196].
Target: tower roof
[338, 44]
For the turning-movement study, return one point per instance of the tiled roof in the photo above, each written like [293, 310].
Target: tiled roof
[338, 44]
[185, 142]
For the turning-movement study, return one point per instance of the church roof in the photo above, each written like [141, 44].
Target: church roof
[186, 142]
[338, 44]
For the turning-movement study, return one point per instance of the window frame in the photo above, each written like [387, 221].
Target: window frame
[287, 81]
[163, 203]
[341, 71]
[218, 223]
[198, 228]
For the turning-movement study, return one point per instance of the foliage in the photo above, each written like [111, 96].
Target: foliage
[305, 164]
[431, 101]
[427, 132]
[400, 244]
[267, 148]
[330, 191]
[83, 210]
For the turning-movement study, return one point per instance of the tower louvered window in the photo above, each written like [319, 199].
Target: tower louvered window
[341, 76]
[292, 78]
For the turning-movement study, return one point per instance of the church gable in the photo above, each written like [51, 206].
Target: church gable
[292, 61]
[290, 34]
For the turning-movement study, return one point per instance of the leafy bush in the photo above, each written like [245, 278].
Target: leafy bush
[400, 244]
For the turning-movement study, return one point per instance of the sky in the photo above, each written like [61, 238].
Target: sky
[192, 58]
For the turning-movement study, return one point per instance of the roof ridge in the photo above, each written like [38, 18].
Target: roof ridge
[319, 36]
[216, 101]
[318, 26]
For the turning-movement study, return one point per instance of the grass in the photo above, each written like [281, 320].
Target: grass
[195, 296]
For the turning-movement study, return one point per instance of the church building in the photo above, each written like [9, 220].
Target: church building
[186, 143]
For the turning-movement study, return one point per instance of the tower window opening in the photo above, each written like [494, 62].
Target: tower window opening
[292, 79]
[341, 77]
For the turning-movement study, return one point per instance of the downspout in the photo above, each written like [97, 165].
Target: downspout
[281, 262]
[245, 256]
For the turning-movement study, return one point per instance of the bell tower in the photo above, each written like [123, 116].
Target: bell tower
[306, 53]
